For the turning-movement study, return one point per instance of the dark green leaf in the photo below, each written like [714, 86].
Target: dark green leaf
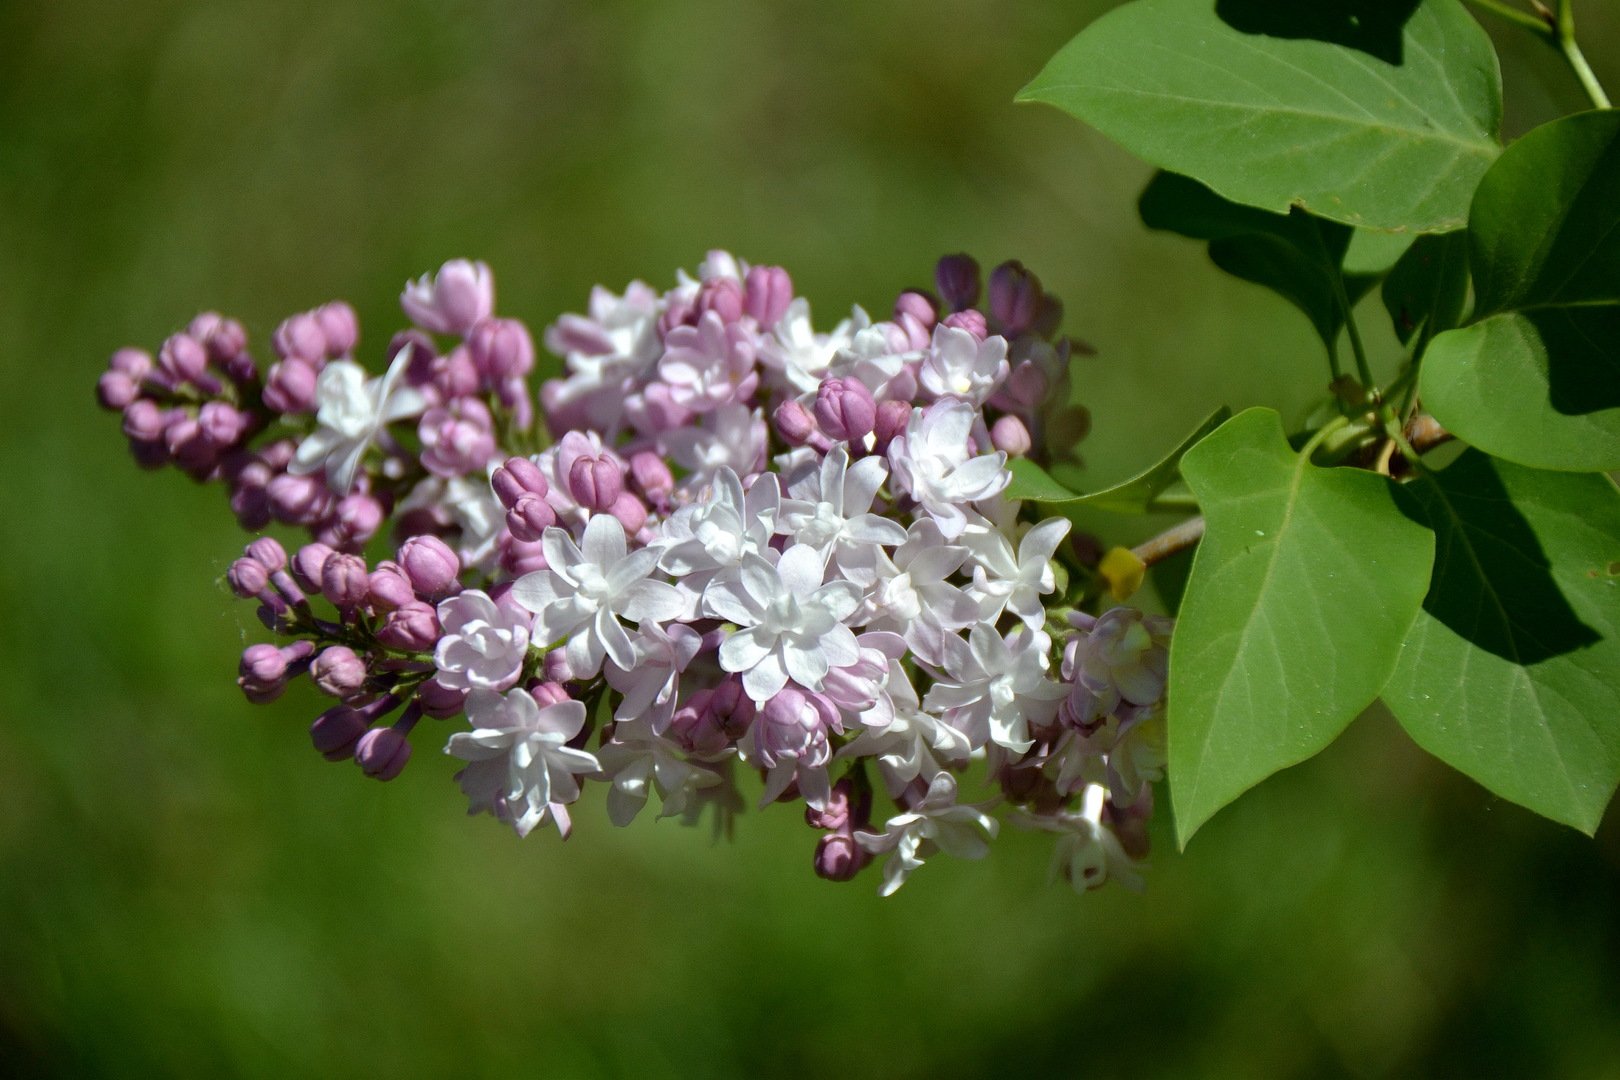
[1376, 114]
[1031, 483]
[1301, 590]
[1537, 381]
[1429, 285]
[1512, 672]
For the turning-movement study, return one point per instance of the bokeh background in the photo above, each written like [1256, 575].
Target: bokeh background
[185, 889]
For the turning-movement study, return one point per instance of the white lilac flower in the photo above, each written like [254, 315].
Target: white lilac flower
[957, 364]
[796, 357]
[994, 686]
[936, 823]
[650, 685]
[617, 340]
[585, 590]
[484, 645]
[909, 592]
[710, 364]
[860, 690]
[731, 437]
[790, 624]
[1088, 854]
[519, 763]
[882, 359]
[351, 411]
[645, 761]
[830, 509]
[1003, 581]
[789, 740]
[716, 531]
[915, 744]
[934, 464]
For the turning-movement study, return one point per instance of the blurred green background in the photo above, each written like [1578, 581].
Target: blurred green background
[185, 889]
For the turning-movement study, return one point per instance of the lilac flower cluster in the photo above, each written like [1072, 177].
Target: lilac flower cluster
[744, 545]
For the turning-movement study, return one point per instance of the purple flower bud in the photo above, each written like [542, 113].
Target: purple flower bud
[389, 587]
[835, 815]
[298, 500]
[222, 424]
[457, 438]
[733, 710]
[345, 580]
[724, 297]
[338, 671]
[225, 339]
[839, 857]
[957, 279]
[501, 349]
[144, 421]
[117, 389]
[1015, 297]
[1010, 436]
[340, 327]
[891, 421]
[769, 291]
[631, 512]
[795, 424]
[461, 295]
[250, 504]
[440, 701]
[519, 557]
[431, 566]
[530, 518]
[1026, 387]
[278, 455]
[412, 627]
[247, 578]
[136, 363]
[650, 476]
[184, 359]
[309, 564]
[336, 730]
[595, 481]
[555, 666]
[267, 552]
[845, 409]
[357, 518]
[424, 355]
[1048, 316]
[970, 320]
[290, 386]
[382, 753]
[518, 476]
[455, 375]
[189, 444]
[300, 336]
[265, 669]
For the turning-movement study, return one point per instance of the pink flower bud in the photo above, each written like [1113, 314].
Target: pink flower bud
[222, 424]
[650, 476]
[345, 581]
[845, 409]
[389, 587]
[300, 336]
[919, 306]
[225, 339]
[631, 512]
[290, 386]
[957, 279]
[595, 482]
[839, 857]
[518, 476]
[184, 359]
[455, 375]
[768, 292]
[970, 320]
[247, 578]
[189, 444]
[518, 557]
[336, 730]
[298, 500]
[431, 566]
[795, 424]
[144, 421]
[356, 519]
[1015, 297]
[339, 326]
[382, 753]
[267, 552]
[458, 438]
[117, 389]
[555, 666]
[440, 701]
[530, 518]
[309, 563]
[461, 295]
[724, 297]
[794, 725]
[338, 671]
[501, 349]
[412, 627]
[1010, 436]
[262, 673]
[891, 421]
[550, 693]
[136, 363]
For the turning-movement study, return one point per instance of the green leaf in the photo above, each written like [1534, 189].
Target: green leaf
[1537, 380]
[1301, 590]
[1295, 255]
[1512, 672]
[1428, 286]
[1374, 254]
[1354, 111]
[1031, 483]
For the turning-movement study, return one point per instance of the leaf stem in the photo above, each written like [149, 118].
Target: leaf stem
[1176, 538]
[1515, 16]
[1363, 371]
[1577, 59]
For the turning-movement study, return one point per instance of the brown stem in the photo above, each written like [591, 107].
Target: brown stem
[1176, 538]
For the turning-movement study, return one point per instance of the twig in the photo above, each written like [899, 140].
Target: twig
[1176, 538]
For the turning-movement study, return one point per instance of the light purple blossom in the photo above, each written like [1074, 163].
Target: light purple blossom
[484, 645]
